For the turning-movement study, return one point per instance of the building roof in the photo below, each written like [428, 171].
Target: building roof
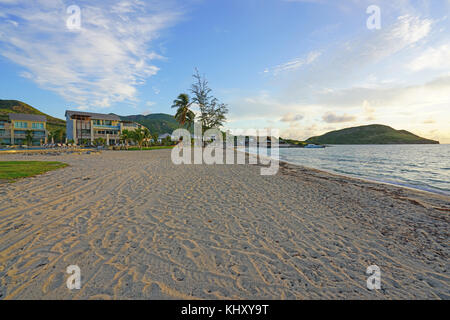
[27, 117]
[96, 116]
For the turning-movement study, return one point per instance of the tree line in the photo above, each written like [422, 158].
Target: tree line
[143, 138]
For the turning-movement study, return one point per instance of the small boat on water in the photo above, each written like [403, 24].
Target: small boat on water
[314, 146]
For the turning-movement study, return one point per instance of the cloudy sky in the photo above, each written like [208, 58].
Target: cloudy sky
[303, 66]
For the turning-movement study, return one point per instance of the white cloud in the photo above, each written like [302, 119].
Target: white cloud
[369, 112]
[435, 92]
[292, 117]
[344, 61]
[433, 58]
[156, 90]
[295, 63]
[331, 117]
[100, 64]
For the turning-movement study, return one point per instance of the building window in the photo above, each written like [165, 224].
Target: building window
[85, 125]
[37, 126]
[20, 125]
[39, 134]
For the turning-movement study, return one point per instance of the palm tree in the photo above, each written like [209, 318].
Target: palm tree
[155, 137]
[184, 114]
[29, 137]
[138, 136]
[51, 137]
[125, 136]
[60, 135]
[190, 118]
[99, 142]
[147, 135]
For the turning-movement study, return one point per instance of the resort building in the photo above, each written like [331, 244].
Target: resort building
[83, 127]
[164, 136]
[16, 127]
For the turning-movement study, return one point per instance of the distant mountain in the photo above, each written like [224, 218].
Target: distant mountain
[372, 134]
[156, 122]
[14, 106]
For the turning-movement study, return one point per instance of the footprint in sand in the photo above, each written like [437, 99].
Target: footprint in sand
[153, 292]
[178, 275]
[189, 244]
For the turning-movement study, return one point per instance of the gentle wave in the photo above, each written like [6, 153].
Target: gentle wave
[424, 167]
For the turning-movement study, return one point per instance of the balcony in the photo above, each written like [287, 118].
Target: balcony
[111, 136]
[104, 126]
[19, 136]
[130, 126]
[36, 135]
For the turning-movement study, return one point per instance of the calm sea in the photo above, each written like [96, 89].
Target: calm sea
[424, 167]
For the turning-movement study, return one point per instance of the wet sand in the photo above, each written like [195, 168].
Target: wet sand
[140, 227]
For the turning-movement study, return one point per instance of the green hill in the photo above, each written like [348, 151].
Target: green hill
[14, 106]
[157, 123]
[372, 134]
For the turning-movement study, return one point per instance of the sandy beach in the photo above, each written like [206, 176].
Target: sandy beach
[140, 227]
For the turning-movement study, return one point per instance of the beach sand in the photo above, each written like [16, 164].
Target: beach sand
[140, 227]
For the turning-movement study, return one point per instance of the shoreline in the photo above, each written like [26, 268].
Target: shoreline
[412, 188]
[413, 192]
[357, 180]
[349, 176]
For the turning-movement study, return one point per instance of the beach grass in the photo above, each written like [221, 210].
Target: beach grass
[13, 170]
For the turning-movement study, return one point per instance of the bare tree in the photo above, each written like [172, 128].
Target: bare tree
[212, 112]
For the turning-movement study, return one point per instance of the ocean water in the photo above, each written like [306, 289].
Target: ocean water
[424, 167]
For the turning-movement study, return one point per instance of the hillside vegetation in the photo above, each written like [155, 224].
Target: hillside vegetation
[157, 123]
[14, 106]
[371, 134]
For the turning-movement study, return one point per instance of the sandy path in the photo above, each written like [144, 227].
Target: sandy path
[140, 227]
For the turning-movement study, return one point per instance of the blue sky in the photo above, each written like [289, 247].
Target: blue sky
[303, 66]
